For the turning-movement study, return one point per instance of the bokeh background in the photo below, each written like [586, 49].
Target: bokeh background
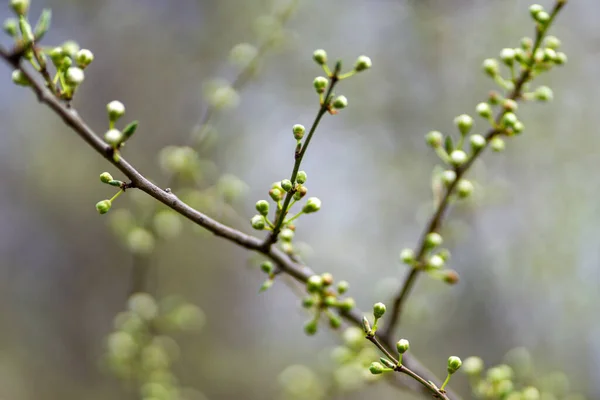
[526, 247]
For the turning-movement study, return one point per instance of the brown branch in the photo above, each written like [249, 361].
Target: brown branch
[436, 220]
[296, 270]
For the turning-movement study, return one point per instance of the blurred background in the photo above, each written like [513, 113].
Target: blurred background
[526, 246]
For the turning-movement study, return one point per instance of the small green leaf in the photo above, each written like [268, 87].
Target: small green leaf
[266, 285]
[448, 145]
[129, 130]
[43, 24]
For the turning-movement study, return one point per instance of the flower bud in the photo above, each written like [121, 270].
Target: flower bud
[347, 305]
[362, 63]
[366, 325]
[477, 142]
[433, 239]
[530, 393]
[334, 321]
[105, 177]
[376, 368]
[490, 66]
[327, 278]
[320, 56]
[314, 284]
[298, 131]
[340, 102]
[509, 119]
[497, 144]
[313, 204]
[561, 58]
[276, 194]
[510, 105]
[494, 97]
[402, 346]
[458, 157]
[267, 267]
[301, 177]
[408, 255]
[11, 27]
[454, 364]
[527, 42]
[57, 55]
[310, 328]
[286, 185]
[258, 222]
[464, 188]
[450, 276]
[552, 42]
[464, 123]
[113, 137]
[534, 9]
[20, 7]
[543, 93]
[320, 83]
[435, 262]
[115, 110]
[473, 366]
[518, 127]
[262, 206]
[542, 17]
[507, 56]
[300, 192]
[19, 78]
[521, 56]
[549, 55]
[83, 58]
[286, 235]
[74, 76]
[434, 139]
[103, 206]
[378, 310]
[342, 287]
[308, 302]
[484, 110]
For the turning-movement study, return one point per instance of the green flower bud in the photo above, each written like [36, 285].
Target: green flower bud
[334, 321]
[57, 55]
[312, 205]
[143, 305]
[387, 363]
[527, 42]
[530, 393]
[286, 185]
[103, 206]
[464, 188]
[402, 346]
[539, 56]
[308, 302]
[366, 325]
[507, 56]
[534, 9]
[435, 262]
[310, 328]
[320, 56]
[300, 192]
[115, 110]
[340, 102]
[450, 276]
[433, 239]
[484, 110]
[327, 278]
[301, 177]
[464, 123]
[378, 310]
[348, 304]
[376, 368]
[83, 58]
[74, 76]
[314, 284]
[342, 287]
[408, 255]
[509, 119]
[518, 127]
[262, 206]
[552, 42]
[19, 78]
[286, 235]
[458, 157]
[494, 97]
[477, 142]
[320, 84]
[454, 364]
[561, 58]
[510, 105]
[473, 366]
[113, 137]
[140, 241]
[20, 7]
[434, 139]
[243, 54]
[448, 177]
[521, 56]
[362, 63]
[549, 55]
[11, 27]
[497, 144]
[490, 67]
[276, 194]
[105, 177]
[543, 93]
[298, 131]
[542, 17]
[258, 222]
[267, 267]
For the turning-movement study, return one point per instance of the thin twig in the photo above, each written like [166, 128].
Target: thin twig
[436, 220]
[298, 271]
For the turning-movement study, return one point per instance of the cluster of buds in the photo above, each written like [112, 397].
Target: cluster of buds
[433, 259]
[323, 298]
